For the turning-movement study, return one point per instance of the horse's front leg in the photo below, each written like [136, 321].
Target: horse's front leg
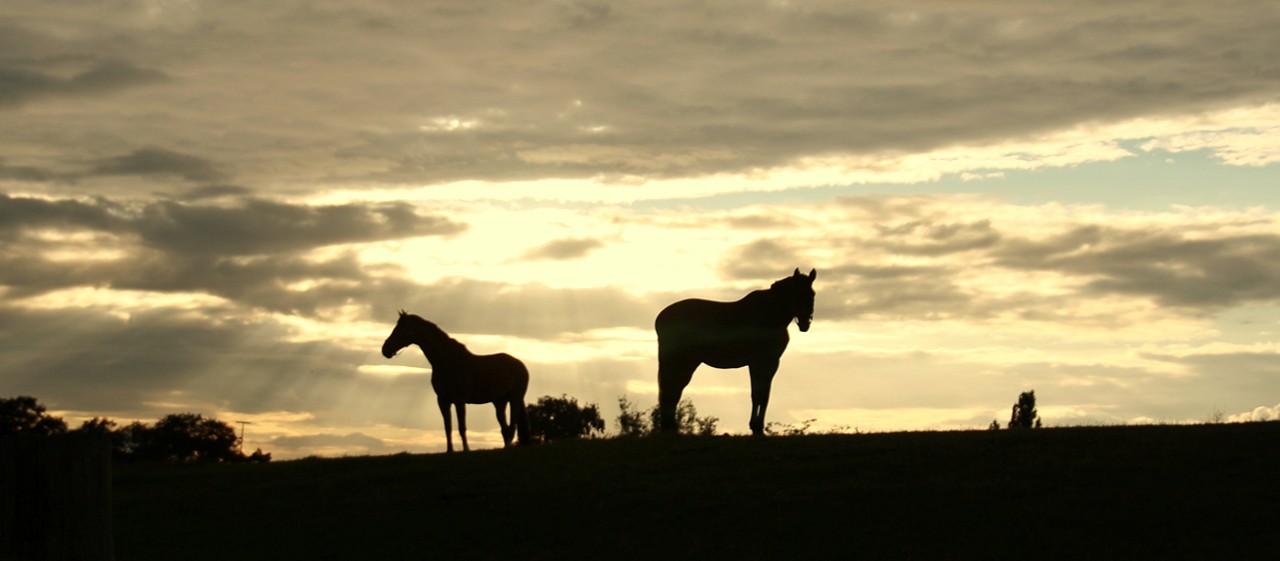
[761, 384]
[448, 422]
[462, 424]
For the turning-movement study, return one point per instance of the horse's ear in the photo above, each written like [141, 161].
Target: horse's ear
[797, 273]
[813, 274]
[402, 314]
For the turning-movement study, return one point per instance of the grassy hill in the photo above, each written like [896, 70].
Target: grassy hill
[1149, 492]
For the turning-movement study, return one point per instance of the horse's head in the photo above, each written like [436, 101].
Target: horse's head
[400, 336]
[797, 292]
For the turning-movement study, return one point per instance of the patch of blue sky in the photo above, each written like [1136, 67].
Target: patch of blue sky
[1154, 180]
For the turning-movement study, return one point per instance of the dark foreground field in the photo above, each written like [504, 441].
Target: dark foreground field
[1188, 492]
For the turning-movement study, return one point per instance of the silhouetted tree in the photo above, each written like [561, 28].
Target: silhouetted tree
[136, 443]
[98, 425]
[25, 415]
[102, 426]
[182, 437]
[558, 418]
[995, 425]
[1024, 414]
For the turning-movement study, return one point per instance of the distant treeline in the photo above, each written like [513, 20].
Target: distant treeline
[191, 437]
[179, 437]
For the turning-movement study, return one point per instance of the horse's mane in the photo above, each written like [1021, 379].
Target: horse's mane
[783, 282]
[439, 338]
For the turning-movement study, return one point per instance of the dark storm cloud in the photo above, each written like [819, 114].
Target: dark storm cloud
[252, 254]
[1173, 269]
[215, 191]
[152, 162]
[564, 249]
[26, 173]
[36, 66]
[252, 227]
[920, 292]
[260, 282]
[18, 214]
[95, 362]
[263, 227]
[848, 289]
[19, 86]
[580, 89]
[923, 237]
[159, 161]
[916, 263]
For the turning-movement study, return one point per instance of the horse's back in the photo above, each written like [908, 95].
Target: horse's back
[508, 371]
[721, 334]
[692, 313]
[496, 377]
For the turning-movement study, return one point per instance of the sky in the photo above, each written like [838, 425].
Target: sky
[219, 207]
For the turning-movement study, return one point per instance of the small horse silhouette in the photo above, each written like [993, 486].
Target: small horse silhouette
[460, 377]
[751, 332]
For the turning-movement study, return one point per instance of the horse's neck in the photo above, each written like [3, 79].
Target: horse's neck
[440, 349]
[766, 306]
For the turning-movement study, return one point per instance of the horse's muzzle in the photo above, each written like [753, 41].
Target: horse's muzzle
[803, 324]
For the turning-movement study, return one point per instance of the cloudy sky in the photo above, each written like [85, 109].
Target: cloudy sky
[218, 207]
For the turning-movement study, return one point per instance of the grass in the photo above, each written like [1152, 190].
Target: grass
[1147, 492]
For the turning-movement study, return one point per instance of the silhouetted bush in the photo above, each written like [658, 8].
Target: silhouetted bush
[558, 418]
[632, 422]
[25, 415]
[687, 419]
[788, 429]
[258, 456]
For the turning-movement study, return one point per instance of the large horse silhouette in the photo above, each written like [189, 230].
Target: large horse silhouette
[751, 332]
[460, 377]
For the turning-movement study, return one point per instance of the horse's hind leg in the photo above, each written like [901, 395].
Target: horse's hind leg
[673, 375]
[520, 418]
[508, 431]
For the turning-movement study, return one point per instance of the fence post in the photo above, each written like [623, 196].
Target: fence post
[55, 498]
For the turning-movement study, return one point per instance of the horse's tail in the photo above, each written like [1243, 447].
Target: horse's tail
[520, 418]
